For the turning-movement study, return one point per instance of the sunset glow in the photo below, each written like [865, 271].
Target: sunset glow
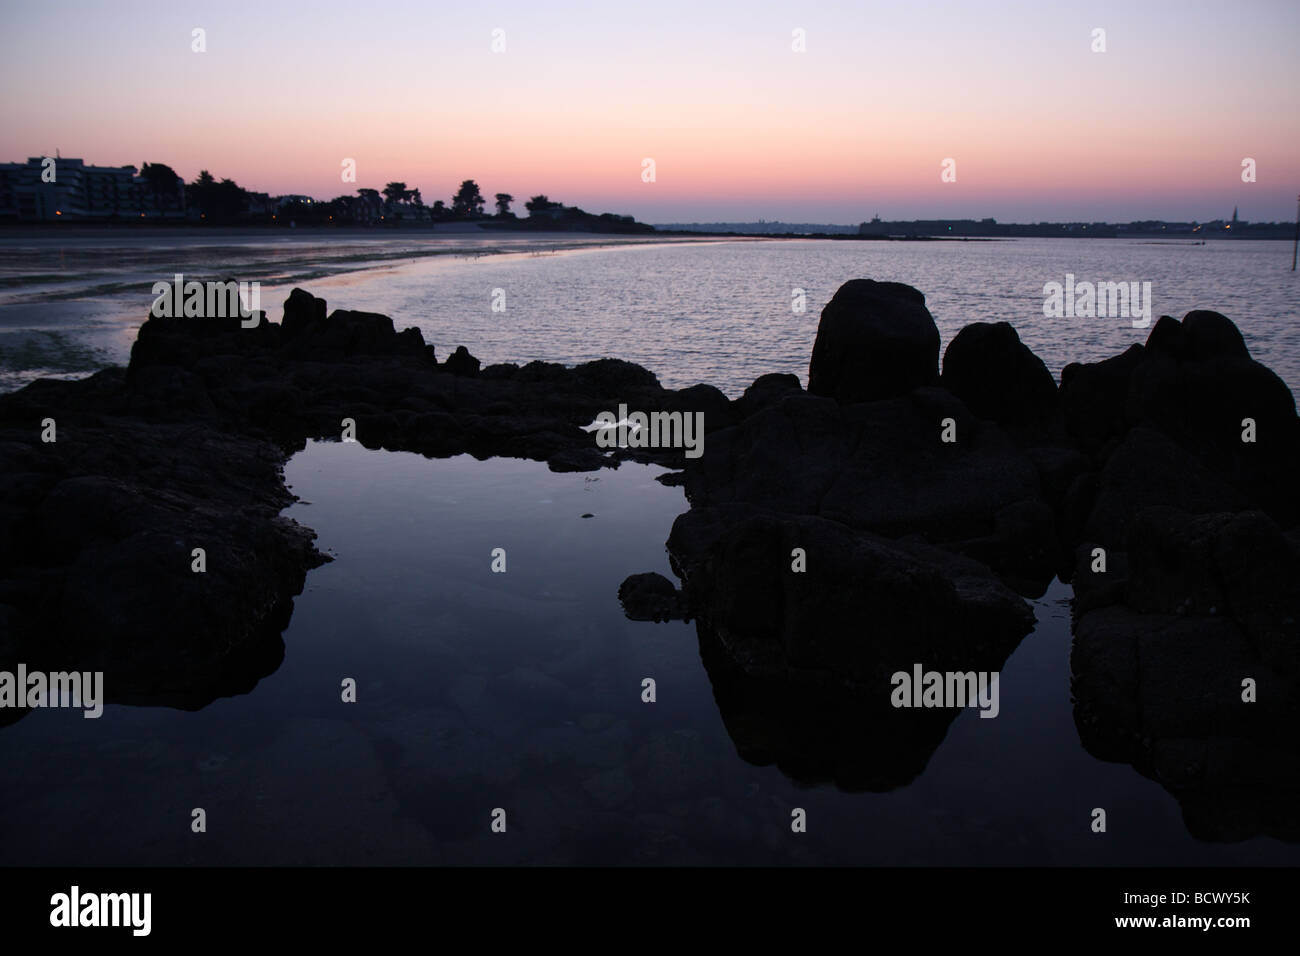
[739, 124]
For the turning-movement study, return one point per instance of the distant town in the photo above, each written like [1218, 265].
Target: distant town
[877, 228]
[58, 189]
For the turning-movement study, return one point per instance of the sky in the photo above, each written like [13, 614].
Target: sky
[740, 126]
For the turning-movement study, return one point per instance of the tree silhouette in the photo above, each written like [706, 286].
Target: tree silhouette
[161, 181]
[503, 204]
[221, 201]
[395, 192]
[539, 203]
[468, 201]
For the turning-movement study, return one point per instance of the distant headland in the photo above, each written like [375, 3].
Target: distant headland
[1233, 228]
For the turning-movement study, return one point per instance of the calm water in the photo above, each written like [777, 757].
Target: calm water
[521, 691]
[692, 311]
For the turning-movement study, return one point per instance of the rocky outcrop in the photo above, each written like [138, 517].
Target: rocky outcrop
[800, 594]
[651, 597]
[875, 340]
[184, 450]
[1201, 419]
[98, 539]
[802, 622]
[1185, 665]
[998, 378]
[909, 534]
[886, 467]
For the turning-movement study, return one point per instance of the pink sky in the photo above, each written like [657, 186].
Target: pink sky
[739, 124]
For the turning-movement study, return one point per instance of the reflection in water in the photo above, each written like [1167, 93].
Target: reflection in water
[803, 653]
[1199, 687]
[523, 691]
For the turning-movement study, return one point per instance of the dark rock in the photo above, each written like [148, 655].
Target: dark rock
[460, 362]
[883, 467]
[579, 459]
[862, 605]
[1094, 396]
[614, 377]
[651, 597]
[185, 448]
[1209, 335]
[1150, 469]
[875, 340]
[998, 377]
[801, 661]
[1185, 664]
[303, 312]
[717, 408]
[1166, 339]
[1196, 384]
[1237, 566]
[1094, 587]
[767, 390]
[1165, 693]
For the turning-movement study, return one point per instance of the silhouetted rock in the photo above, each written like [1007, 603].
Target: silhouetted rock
[1093, 399]
[302, 312]
[998, 377]
[803, 622]
[615, 376]
[767, 390]
[460, 362]
[1190, 420]
[884, 467]
[1149, 468]
[111, 514]
[1185, 665]
[857, 595]
[1209, 335]
[650, 597]
[579, 459]
[1239, 566]
[875, 340]
[1167, 339]
[185, 449]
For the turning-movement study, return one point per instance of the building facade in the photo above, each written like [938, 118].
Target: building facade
[48, 188]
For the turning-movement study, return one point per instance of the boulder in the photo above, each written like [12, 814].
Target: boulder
[998, 377]
[302, 312]
[1210, 335]
[461, 363]
[875, 340]
[884, 467]
[651, 597]
[860, 609]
